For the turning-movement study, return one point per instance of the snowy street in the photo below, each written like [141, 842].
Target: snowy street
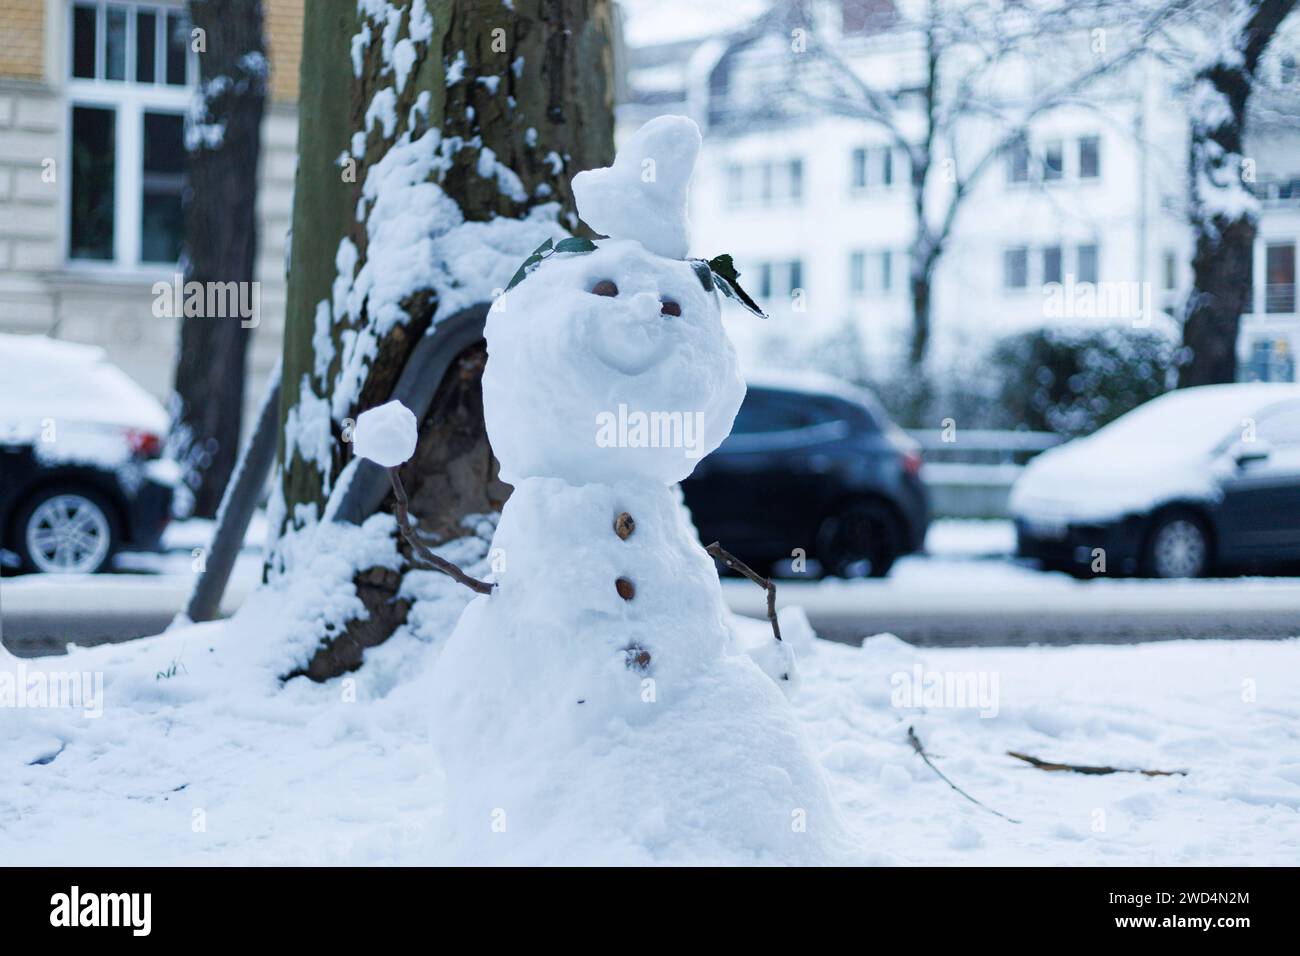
[966, 590]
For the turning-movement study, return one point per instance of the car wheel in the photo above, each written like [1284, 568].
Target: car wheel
[1178, 547]
[66, 531]
[861, 541]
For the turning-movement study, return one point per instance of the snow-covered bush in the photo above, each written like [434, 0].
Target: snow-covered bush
[1073, 381]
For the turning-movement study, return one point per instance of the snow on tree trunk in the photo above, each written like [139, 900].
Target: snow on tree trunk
[437, 142]
[223, 140]
[1223, 209]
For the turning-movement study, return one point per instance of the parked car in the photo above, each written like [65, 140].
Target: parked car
[81, 473]
[815, 469]
[1197, 480]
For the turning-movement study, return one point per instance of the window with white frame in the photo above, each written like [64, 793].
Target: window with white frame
[778, 280]
[1085, 263]
[1089, 157]
[765, 183]
[1018, 162]
[1051, 264]
[1015, 268]
[130, 72]
[875, 168]
[871, 273]
[1053, 160]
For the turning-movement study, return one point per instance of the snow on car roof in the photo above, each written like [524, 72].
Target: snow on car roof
[43, 378]
[1196, 419]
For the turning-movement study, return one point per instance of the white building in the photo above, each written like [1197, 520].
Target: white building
[92, 96]
[1083, 223]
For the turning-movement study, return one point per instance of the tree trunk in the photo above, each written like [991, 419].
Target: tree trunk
[1222, 211]
[223, 140]
[528, 89]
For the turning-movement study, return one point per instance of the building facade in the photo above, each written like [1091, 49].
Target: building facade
[92, 100]
[1084, 221]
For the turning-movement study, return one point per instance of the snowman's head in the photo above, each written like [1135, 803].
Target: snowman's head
[613, 364]
[606, 366]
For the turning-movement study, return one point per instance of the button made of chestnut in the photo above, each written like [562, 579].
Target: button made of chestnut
[669, 307]
[625, 588]
[624, 526]
[605, 287]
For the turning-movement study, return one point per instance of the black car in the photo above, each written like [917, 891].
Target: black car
[1197, 481]
[814, 474]
[81, 472]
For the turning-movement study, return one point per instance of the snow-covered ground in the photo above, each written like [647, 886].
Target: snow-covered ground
[202, 757]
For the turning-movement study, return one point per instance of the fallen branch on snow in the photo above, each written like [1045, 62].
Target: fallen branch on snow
[915, 741]
[421, 550]
[1078, 768]
[733, 562]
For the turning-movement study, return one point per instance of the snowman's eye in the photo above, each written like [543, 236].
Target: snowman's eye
[669, 307]
[605, 287]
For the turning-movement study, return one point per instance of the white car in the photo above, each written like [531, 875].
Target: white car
[1197, 480]
[81, 472]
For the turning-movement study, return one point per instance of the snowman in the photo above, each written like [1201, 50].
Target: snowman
[593, 708]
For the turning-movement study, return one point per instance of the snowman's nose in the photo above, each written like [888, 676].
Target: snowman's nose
[644, 305]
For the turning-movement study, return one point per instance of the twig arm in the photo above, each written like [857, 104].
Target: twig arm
[733, 562]
[421, 550]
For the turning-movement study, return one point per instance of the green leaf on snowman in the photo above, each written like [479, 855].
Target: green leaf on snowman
[721, 271]
[545, 251]
[575, 244]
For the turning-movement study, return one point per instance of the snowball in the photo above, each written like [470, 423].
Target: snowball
[386, 434]
[643, 195]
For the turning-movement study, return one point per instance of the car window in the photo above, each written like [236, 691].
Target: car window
[1280, 426]
[765, 410]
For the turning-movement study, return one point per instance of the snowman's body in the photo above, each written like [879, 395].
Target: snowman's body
[593, 707]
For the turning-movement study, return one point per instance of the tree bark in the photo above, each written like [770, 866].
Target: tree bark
[1223, 226]
[223, 141]
[486, 77]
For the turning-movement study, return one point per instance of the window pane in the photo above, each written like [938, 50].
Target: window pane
[1015, 268]
[1089, 157]
[146, 46]
[857, 268]
[1087, 271]
[1279, 278]
[91, 212]
[83, 42]
[115, 43]
[765, 281]
[887, 171]
[1171, 272]
[796, 276]
[859, 168]
[796, 180]
[163, 184]
[1053, 161]
[886, 274]
[1018, 163]
[178, 41]
[1052, 264]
